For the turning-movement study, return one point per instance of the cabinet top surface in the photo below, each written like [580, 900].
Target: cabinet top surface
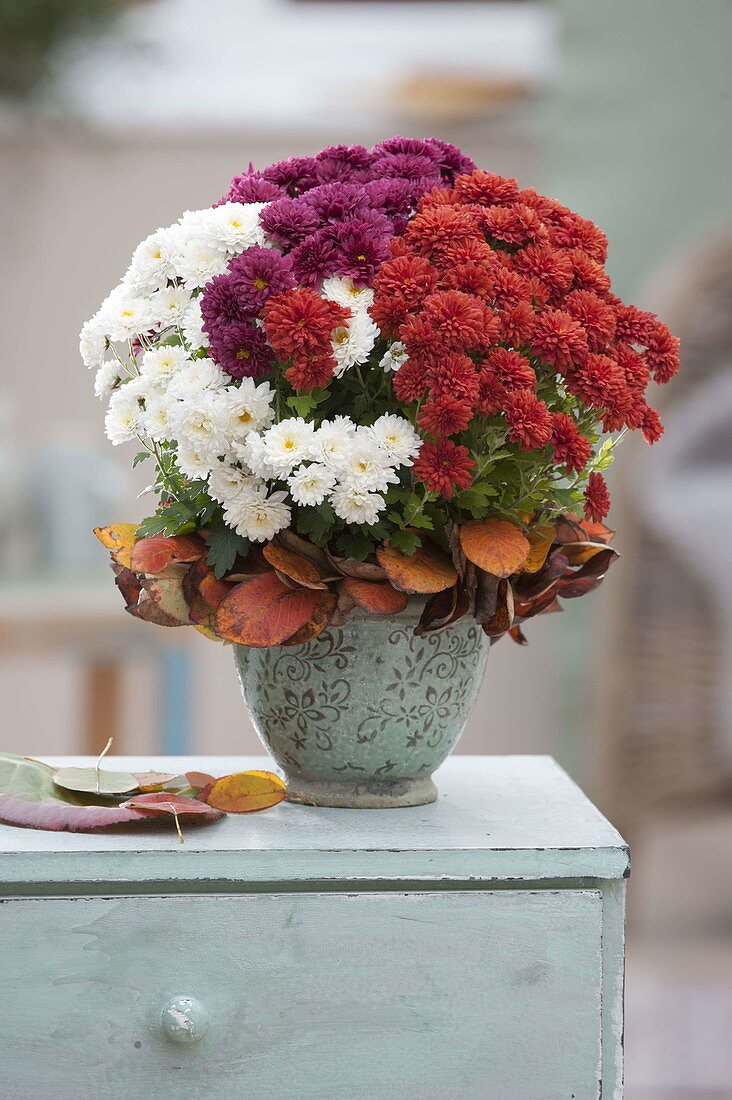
[499, 817]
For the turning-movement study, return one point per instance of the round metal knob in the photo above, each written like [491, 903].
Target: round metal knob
[184, 1020]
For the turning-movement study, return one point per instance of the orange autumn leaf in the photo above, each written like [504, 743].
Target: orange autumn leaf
[245, 792]
[540, 542]
[320, 617]
[296, 566]
[262, 611]
[155, 554]
[377, 597]
[426, 571]
[119, 538]
[495, 545]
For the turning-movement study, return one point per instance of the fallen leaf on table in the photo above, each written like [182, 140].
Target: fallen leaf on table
[163, 802]
[245, 792]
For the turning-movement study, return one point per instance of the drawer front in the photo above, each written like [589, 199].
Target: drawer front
[490, 994]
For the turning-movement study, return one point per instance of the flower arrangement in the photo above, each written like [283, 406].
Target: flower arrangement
[366, 374]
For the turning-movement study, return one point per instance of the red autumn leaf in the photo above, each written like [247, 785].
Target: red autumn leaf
[128, 583]
[155, 554]
[426, 571]
[167, 802]
[526, 608]
[502, 618]
[245, 792]
[532, 585]
[573, 528]
[495, 545]
[293, 565]
[198, 780]
[203, 592]
[443, 609]
[262, 611]
[321, 616]
[589, 576]
[119, 538]
[377, 598]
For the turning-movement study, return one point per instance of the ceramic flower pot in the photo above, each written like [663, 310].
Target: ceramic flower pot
[363, 715]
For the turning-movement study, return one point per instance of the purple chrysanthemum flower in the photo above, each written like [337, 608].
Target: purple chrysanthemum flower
[362, 246]
[241, 349]
[287, 221]
[334, 202]
[410, 166]
[406, 146]
[394, 198]
[315, 259]
[344, 163]
[296, 174]
[220, 305]
[453, 162]
[259, 272]
[253, 187]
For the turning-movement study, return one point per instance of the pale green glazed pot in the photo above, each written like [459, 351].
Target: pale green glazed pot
[361, 716]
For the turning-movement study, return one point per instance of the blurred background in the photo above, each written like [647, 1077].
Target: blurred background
[116, 115]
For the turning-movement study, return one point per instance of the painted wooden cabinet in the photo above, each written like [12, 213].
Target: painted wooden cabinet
[472, 948]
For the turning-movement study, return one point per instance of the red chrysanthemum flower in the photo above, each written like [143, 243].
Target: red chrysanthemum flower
[596, 317]
[420, 337]
[634, 367]
[559, 340]
[652, 426]
[599, 381]
[529, 420]
[470, 278]
[438, 196]
[459, 320]
[597, 498]
[587, 274]
[633, 325]
[300, 321]
[491, 394]
[486, 189]
[517, 224]
[550, 266]
[432, 230]
[509, 288]
[517, 324]
[409, 278]
[549, 210]
[662, 355]
[310, 370]
[410, 381]
[445, 415]
[513, 370]
[576, 232]
[454, 374]
[444, 466]
[571, 449]
[469, 249]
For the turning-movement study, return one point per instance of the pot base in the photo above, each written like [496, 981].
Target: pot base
[367, 795]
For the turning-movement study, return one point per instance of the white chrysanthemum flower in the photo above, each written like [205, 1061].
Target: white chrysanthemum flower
[249, 406]
[354, 342]
[343, 290]
[106, 378]
[227, 484]
[356, 505]
[195, 377]
[192, 326]
[194, 461]
[156, 418]
[125, 414]
[235, 226]
[123, 315]
[169, 306]
[152, 263]
[252, 453]
[199, 424]
[257, 516]
[395, 356]
[310, 484]
[92, 343]
[396, 437]
[332, 442]
[161, 363]
[287, 444]
[367, 467]
[199, 263]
